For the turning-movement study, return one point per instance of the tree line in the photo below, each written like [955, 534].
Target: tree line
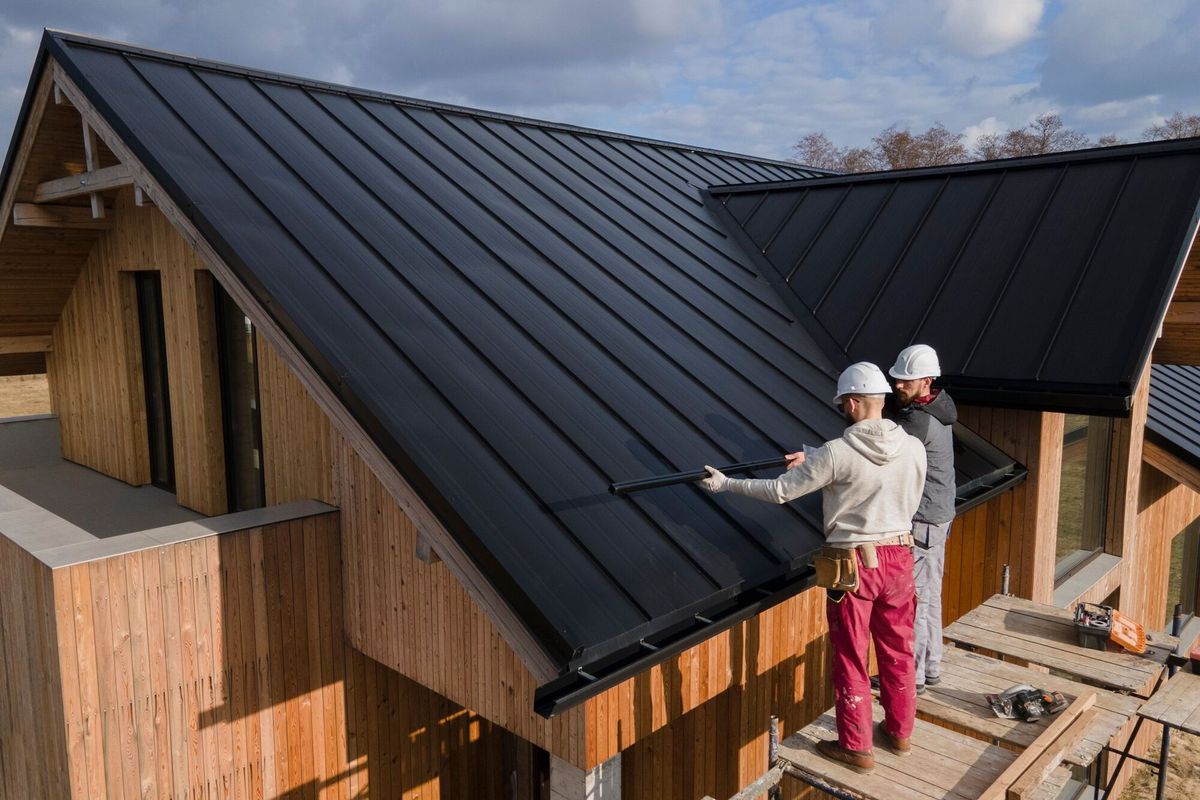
[900, 148]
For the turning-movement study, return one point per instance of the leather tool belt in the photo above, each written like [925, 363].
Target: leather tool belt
[837, 567]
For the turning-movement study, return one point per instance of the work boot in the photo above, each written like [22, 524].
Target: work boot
[854, 759]
[933, 680]
[894, 744]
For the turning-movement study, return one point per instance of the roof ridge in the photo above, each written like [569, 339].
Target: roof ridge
[1088, 154]
[403, 100]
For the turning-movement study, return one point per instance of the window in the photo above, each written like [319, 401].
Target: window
[154, 379]
[1083, 492]
[1183, 582]
[239, 403]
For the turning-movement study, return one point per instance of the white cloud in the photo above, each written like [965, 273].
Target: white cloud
[986, 27]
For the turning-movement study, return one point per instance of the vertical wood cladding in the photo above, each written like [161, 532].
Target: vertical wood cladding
[1165, 508]
[1180, 340]
[297, 437]
[218, 667]
[698, 722]
[416, 618]
[95, 363]
[33, 755]
[1017, 528]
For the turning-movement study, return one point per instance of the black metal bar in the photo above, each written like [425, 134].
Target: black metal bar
[1140, 759]
[1165, 750]
[671, 479]
[1129, 744]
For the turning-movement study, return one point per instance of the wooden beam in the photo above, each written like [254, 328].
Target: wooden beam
[461, 566]
[24, 344]
[31, 215]
[1049, 760]
[98, 180]
[1171, 465]
[91, 152]
[60, 99]
[999, 788]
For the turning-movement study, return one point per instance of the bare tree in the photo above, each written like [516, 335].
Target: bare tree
[1046, 134]
[892, 148]
[815, 150]
[902, 149]
[1176, 126]
[1109, 140]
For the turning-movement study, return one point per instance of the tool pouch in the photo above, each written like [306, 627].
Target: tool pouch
[837, 569]
[870, 558]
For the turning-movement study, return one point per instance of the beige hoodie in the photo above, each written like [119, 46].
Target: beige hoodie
[871, 481]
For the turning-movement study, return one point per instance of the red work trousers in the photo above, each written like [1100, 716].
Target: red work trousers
[883, 607]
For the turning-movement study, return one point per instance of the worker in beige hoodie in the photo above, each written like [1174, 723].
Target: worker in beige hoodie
[871, 481]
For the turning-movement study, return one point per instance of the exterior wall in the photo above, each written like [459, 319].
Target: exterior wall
[1165, 508]
[1019, 527]
[33, 755]
[95, 362]
[700, 720]
[218, 667]
[416, 618]
[1180, 340]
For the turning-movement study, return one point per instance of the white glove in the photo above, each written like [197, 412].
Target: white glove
[716, 480]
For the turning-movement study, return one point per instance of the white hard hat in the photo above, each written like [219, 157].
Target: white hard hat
[916, 361]
[862, 378]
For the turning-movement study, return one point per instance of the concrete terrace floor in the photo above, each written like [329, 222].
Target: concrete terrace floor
[31, 465]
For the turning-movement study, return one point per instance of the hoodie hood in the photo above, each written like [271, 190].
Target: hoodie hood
[877, 440]
[941, 408]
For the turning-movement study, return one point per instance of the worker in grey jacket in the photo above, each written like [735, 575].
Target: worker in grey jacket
[929, 415]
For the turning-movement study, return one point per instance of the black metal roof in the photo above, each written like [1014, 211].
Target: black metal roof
[1173, 413]
[1040, 281]
[519, 313]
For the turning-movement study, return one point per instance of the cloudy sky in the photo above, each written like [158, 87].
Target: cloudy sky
[744, 75]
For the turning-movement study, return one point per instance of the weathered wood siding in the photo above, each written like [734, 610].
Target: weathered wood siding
[297, 436]
[95, 364]
[1017, 528]
[416, 618]
[1165, 508]
[1180, 340]
[33, 755]
[218, 667]
[698, 722]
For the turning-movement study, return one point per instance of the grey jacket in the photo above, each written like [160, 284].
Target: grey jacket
[932, 424]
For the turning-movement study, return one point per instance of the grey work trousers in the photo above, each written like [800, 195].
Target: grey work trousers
[929, 555]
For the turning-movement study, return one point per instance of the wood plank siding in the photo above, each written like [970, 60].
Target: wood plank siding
[218, 667]
[33, 755]
[1017, 528]
[95, 363]
[1165, 508]
[1180, 340]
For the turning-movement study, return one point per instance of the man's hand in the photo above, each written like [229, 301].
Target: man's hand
[716, 480]
[794, 459]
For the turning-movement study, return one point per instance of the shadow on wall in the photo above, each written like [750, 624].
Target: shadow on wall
[720, 745]
[219, 666]
[320, 718]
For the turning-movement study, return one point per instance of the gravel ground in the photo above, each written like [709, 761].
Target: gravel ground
[24, 394]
